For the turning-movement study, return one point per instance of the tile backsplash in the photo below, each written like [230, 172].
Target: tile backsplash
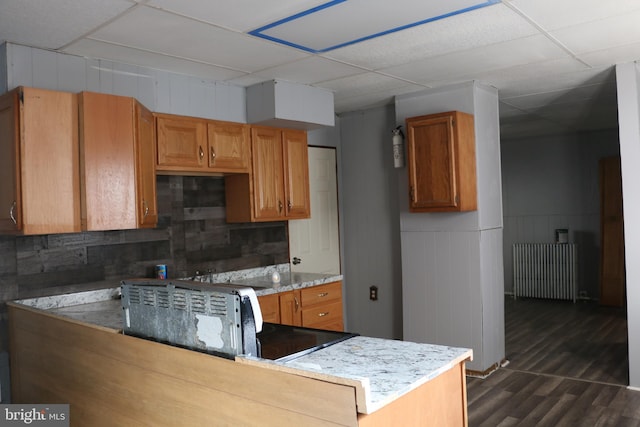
[192, 236]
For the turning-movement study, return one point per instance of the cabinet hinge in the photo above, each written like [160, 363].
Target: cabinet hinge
[453, 122]
[21, 96]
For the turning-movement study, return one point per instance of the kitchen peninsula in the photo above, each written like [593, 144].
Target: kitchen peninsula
[70, 349]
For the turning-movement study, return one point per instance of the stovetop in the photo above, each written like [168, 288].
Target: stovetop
[284, 342]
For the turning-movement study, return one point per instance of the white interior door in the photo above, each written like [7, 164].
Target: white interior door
[315, 241]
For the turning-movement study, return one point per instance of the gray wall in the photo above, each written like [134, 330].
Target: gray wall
[452, 273]
[369, 204]
[628, 81]
[551, 182]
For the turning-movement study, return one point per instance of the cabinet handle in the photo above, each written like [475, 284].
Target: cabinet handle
[323, 294]
[200, 152]
[289, 204]
[13, 207]
[323, 314]
[279, 206]
[411, 194]
[145, 207]
[213, 155]
[297, 304]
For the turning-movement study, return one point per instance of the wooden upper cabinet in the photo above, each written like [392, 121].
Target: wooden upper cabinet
[229, 148]
[181, 143]
[145, 136]
[200, 146]
[268, 170]
[278, 187]
[116, 135]
[441, 162]
[296, 166]
[39, 191]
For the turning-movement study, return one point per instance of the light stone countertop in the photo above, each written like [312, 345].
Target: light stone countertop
[380, 370]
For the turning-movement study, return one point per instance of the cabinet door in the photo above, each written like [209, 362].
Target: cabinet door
[270, 307]
[431, 167]
[290, 308]
[296, 166]
[145, 167]
[229, 147]
[108, 162]
[48, 167]
[441, 162]
[268, 184]
[10, 202]
[181, 142]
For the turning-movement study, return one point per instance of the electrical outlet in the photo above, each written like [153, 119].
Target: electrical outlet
[373, 293]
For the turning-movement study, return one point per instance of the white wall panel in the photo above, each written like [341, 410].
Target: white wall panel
[628, 81]
[159, 91]
[71, 73]
[20, 66]
[3, 68]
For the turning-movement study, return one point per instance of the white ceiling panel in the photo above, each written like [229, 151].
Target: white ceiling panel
[581, 94]
[157, 31]
[480, 27]
[310, 70]
[339, 23]
[553, 59]
[551, 82]
[512, 78]
[604, 33]
[555, 14]
[527, 50]
[615, 55]
[96, 49]
[373, 99]
[58, 21]
[238, 15]
[362, 84]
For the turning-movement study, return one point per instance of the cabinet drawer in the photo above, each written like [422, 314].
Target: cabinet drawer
[321, 294]
[326, 316]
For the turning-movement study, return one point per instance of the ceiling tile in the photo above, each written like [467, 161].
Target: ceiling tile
[58, 21]
[310, 70]
[614, 55]
[239, 15]
[185, 38]
[373, 99]
[480, 27]
[362, 84]
[554, 14]
[604, 33]
[97, 49]
[497, 56]
[551, 81]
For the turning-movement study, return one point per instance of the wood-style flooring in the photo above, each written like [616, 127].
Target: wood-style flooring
[568, 366]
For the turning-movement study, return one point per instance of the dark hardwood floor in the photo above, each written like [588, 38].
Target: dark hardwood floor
[568, 366]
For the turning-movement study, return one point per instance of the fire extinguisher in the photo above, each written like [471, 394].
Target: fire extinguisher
[398, 147]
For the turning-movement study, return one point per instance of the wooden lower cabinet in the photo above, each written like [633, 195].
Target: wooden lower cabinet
[318, 307]
[270, 307]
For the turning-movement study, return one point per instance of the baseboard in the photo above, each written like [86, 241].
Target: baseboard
[484, 374]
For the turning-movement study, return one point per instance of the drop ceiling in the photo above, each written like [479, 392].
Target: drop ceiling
[551, 60]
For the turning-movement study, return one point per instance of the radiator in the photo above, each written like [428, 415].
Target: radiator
[545, 270]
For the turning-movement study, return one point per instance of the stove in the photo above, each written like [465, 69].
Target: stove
[283, 342]
[220, 319]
